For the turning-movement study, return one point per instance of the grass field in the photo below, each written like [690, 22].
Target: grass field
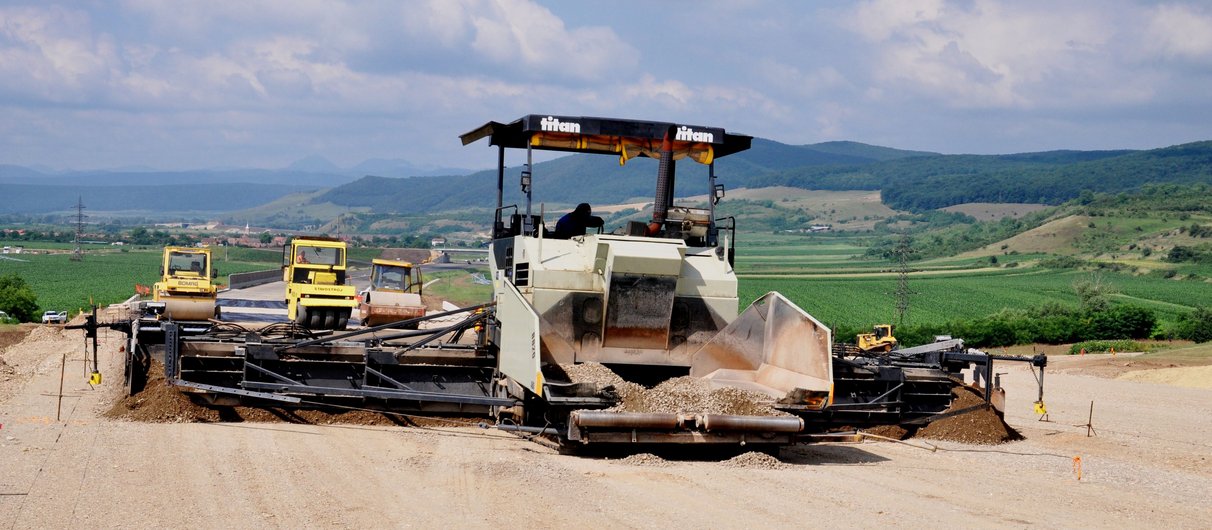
[863, 301]
[988, 211]
[103, 277]
[459, 287]
[827, 277]
[53, 245]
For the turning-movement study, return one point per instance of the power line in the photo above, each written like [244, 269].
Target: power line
[78, 254]
[903, 252]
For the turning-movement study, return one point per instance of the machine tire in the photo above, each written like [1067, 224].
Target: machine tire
[301, 317]
[343, 320]
[315, 319]
[330, 319]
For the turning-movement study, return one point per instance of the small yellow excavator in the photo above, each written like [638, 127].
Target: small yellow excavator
[186, 287]
[880, 339]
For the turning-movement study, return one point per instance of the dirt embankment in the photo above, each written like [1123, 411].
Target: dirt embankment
[160, 402]
[10, 335]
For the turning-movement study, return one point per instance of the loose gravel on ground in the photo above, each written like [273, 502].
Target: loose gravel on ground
[678, 395]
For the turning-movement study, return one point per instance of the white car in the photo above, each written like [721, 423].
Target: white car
[54, 317]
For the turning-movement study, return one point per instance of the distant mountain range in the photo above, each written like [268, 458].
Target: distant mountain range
[380, 167]
[907, 180]
[136, 189]
[599, 179]
[910, 180]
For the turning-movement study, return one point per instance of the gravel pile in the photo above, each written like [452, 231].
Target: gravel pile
[675, 395]
[591, 373]
[679, 395]
[603, 377]
[645, 459]
[693, 395]
[754, 460]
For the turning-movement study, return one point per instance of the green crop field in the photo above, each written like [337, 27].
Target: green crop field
[272, 257]
[829, 277]
[53, 245]
[102, 277]
[862, 301]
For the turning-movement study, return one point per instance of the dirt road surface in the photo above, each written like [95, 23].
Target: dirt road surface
[1148, 466]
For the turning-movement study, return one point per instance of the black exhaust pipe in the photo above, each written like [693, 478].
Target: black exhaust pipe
[664, 188]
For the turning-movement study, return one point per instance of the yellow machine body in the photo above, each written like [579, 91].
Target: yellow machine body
[314, 269]
[880, 339]
[394, 293]
[186, 286]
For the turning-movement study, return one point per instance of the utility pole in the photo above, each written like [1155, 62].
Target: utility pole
[78, 254]
[903, 252]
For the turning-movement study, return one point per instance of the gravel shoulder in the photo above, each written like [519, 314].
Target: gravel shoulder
[1147, 466]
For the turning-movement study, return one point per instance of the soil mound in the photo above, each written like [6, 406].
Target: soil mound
[979, 426]
[896, 432]
[10, 335]
[160, 402]
[42, 333]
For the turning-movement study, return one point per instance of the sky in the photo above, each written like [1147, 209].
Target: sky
[193, 84]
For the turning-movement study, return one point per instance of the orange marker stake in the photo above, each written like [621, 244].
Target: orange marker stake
[1077, 467]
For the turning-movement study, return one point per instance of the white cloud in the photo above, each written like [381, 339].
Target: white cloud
[883, 19]
[520, 31]
[989, 53]
[52, 54]
[193, 81]
[1180, 31]
[791, 79]
[443, 21]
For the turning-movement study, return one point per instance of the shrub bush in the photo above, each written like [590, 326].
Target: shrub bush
[1195, 326]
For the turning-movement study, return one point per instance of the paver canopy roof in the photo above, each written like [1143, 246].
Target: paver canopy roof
[626, 138]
